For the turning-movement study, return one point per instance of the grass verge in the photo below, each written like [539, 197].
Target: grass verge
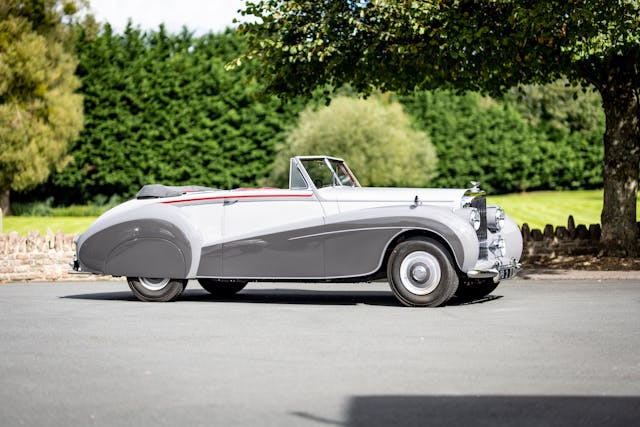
[66, 224]
[553, 207]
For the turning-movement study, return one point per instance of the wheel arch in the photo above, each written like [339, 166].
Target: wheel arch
[418, 233]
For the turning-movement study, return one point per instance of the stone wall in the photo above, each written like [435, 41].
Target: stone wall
[540, 245]
[37, 257]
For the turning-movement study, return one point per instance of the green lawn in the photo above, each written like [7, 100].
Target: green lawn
[553, 207]
[537, 209]
[68, 224]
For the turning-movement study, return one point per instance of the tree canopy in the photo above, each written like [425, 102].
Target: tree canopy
[40, 111]
[488, 46]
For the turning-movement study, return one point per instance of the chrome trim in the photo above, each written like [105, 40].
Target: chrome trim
[349, 230]
[495, 218]
[497, 270]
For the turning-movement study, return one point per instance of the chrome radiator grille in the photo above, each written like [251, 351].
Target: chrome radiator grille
[480, 203]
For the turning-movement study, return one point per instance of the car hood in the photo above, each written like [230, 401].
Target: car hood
[434, 196]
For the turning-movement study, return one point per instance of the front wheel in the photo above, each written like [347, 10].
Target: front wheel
[421, 273]
[220, 288]
[156, 289]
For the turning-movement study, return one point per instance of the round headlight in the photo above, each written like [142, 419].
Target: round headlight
[495, 218]
[474, 219]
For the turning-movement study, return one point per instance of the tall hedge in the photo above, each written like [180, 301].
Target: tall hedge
[160, 107]
[511, 144]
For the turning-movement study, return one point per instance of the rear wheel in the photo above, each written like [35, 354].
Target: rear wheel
[221, 288]
[156, 289]
[421, 273]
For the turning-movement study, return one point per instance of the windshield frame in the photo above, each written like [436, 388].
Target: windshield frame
[341, 174]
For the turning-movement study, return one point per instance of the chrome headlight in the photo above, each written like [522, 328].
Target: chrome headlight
[474, 219]
[495, 218]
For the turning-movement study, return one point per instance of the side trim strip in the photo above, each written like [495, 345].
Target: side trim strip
[350, 230]
[256, 196]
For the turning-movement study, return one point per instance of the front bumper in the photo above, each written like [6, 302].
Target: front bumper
[497, 269]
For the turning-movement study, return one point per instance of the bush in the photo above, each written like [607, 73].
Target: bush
[373, 136]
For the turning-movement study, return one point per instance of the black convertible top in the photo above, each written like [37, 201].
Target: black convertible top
[154, 191]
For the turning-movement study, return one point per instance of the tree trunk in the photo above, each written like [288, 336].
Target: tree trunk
[621, 164]
[4, 202]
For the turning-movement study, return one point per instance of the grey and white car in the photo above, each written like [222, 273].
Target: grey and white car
[430, 244]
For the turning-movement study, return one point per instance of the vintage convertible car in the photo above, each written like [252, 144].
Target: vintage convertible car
[430, 244]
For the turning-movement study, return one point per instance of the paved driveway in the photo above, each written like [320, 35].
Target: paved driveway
[535, 353]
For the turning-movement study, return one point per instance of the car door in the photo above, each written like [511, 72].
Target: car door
[273, 234]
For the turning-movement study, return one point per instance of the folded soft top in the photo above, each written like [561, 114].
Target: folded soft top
[152, 191]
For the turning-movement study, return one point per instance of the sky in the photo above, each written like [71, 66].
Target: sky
[199, 16]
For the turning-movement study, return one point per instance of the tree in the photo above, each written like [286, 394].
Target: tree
[39, 109]
[489, 46]
[374, 137]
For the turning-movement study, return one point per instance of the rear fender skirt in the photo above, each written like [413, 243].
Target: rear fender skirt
[153, 241]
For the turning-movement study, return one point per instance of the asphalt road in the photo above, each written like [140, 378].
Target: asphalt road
[563, 353]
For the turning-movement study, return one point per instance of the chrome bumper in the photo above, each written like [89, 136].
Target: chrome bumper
[497, 270]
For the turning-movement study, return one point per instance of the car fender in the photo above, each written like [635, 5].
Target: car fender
[513, 238]
[454, 231]
[152, 240]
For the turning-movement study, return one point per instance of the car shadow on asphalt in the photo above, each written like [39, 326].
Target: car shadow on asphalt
[494, 411]
[283, 296]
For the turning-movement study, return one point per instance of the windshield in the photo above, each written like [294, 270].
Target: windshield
[329, 173]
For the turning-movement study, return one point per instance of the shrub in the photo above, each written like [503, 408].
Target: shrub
[373, 135]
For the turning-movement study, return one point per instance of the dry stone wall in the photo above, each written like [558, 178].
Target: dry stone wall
[38, 257]
[540, 245]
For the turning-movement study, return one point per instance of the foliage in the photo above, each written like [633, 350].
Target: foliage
[400, 45]
[39, 109]
[374, 136]
[478, 140]
[46, 208]
[488, 46]
[161, 108]
[537, 138]
[574, 121]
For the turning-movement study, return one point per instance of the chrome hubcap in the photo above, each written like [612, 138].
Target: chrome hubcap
[153, 284]
[420, 273]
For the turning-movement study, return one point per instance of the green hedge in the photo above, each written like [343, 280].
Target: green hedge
[510, 145]
[161, 108]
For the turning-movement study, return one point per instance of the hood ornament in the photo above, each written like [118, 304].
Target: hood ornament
[475, 186]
